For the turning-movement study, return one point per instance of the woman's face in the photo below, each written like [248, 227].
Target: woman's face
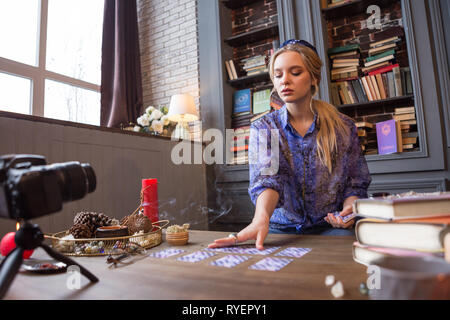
[291, 78]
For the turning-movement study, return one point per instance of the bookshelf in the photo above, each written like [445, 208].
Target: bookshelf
[252, 31]
[369, 68]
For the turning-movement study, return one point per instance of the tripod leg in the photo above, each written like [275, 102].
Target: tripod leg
[60, 257]
[10, 267]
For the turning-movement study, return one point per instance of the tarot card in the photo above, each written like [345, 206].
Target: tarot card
[293, 252]
[166, 253]
[196, 256]
[246, 249]
[253, 250]
[229, 261]
[347, 218]
[271, 264]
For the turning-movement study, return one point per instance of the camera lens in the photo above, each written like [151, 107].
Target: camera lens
[75, 179]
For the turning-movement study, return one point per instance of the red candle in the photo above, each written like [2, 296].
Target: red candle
[150, 198]
[8, 244]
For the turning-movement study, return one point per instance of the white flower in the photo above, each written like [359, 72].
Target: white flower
[165, 120]
[156, 115]
[157, 126]
[149, 109]
[144, 120]
[136, 129]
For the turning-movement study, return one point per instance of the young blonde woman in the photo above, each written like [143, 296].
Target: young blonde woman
[321, 166]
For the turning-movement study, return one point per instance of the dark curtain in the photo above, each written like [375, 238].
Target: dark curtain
[121, 87]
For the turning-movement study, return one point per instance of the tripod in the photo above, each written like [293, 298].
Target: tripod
[28, 237]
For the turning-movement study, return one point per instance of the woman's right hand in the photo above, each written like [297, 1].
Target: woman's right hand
[256, 230]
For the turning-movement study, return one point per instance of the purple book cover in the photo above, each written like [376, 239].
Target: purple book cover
[387, 137]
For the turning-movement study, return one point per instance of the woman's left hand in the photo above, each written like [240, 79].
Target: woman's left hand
[336, 221]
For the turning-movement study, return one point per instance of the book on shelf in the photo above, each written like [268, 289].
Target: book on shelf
[364, 124]
[388, 136]
[233, 69]
[261, 101]
[242, 101]
[352, 53]
[376, 50]
[229, 72]
[380, 55]
[402, 206]
[380, 85]
[383, 69]
[397, 82]
[383, 42]
[334, 3]
[366, 255]
[409, 234]
[244, 113]
[402, 110]
[405, 116]
[374, 67]
[342, 49]
[239, 148]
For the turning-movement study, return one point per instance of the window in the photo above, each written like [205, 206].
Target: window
[51, 64]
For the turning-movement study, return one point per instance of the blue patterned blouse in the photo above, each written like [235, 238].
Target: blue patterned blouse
[307, 190]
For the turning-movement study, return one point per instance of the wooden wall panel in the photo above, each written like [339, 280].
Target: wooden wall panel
[119, 160]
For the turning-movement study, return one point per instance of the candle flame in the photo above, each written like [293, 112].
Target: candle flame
[17, 226]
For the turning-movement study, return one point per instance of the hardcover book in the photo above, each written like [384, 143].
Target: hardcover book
[242, 101]
[417, 234]
[404, 206]
[261, 101]
[387, 137]
[366, 255]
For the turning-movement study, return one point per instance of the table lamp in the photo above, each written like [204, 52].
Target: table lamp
[182, 110]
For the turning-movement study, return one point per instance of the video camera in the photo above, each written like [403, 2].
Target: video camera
[29, 188]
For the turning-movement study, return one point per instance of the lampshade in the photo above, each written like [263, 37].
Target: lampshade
[182, 108]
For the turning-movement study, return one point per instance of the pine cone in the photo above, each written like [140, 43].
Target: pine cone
[80, 231]
[93, 220]
[85, 218]
[137, 223]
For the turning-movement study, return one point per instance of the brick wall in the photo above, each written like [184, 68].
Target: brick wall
[169, 49]
[353, 29]
[257, 15]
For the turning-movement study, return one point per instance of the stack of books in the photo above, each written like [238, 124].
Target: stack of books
[367, 131]
[367, 136]
[345, 61]
[239, 147]
[408, 124]
[242, 108]
[403, 225]
[255, 65]
[378, 78]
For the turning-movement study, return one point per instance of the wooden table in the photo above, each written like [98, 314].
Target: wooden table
[152, 278]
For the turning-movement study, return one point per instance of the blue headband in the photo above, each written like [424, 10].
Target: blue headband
[299, 42]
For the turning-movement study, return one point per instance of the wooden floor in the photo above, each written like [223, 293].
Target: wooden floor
[152, 278]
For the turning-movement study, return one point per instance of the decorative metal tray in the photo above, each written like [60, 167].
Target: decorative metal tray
[105, 246]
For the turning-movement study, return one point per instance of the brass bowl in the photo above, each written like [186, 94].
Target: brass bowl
[178, 238]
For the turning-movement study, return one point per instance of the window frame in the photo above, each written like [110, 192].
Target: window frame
[38, 74]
